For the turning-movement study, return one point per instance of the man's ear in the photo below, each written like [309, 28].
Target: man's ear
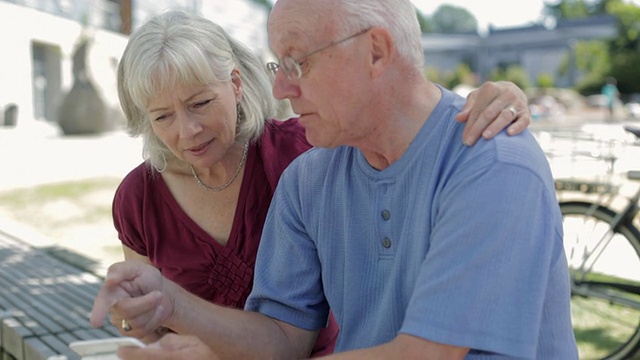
[382, 50]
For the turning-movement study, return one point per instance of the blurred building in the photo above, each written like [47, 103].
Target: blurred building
[536, 48]
[39, 38]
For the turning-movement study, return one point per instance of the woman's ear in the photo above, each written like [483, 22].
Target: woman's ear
[236, 82]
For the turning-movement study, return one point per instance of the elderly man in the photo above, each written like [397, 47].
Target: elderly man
[421, 246]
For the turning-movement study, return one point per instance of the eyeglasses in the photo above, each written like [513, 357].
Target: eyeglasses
[292, 67]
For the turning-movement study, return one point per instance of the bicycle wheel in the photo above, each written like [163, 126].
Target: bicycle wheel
[605, 306]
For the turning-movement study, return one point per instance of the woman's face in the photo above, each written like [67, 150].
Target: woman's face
[197, 122]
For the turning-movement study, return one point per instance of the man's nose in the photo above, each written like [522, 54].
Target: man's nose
[285, 88]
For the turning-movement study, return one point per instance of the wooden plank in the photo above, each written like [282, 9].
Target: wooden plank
[36, 349]
[99, 333]
[12, 334]
[5, 355]
[48, 294]
[60, 347]
[5, 313]
[44, 304]
[37, 322]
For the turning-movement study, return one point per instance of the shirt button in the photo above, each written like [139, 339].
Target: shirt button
[386, 215]
[386, 243]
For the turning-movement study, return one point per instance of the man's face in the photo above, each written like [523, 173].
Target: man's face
[331, 90]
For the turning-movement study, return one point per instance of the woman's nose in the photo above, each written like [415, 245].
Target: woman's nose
[189, 125]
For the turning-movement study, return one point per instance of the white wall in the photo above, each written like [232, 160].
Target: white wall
[22, 26]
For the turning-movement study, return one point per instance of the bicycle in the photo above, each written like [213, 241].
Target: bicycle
[602, 244]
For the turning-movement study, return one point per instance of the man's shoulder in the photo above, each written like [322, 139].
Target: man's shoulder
[322, 157]
[314, 165]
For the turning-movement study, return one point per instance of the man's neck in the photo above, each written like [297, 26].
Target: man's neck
[400, 125]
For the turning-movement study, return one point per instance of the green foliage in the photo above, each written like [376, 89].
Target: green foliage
[426, 26]
[625, 48]
[265, 3]
[449, 19]
[570, 9]
[628, 15]
[618, 57]
[590, 84]
[626, 69]
[513, 73]
[55, 192]
[51, 207]
[450, 79]
[592, 59]
[436, 76]
[461, 75]
[545, 81]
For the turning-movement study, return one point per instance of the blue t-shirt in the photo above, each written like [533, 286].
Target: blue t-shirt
[454, 244]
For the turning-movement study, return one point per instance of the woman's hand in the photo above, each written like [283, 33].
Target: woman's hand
[135, 298]
[493, 107]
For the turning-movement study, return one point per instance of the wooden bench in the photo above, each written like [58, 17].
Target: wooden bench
[44, 304]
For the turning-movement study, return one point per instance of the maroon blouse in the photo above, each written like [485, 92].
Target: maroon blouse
[150, 221]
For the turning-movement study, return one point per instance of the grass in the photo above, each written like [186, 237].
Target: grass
[54, 206]
[52, 192]
[72, 217]
[601, 326]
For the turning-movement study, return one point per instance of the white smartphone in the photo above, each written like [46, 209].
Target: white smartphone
[103, 349]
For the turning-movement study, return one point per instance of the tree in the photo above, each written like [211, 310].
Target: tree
[625, 47]
[545, 81]
[628, 16]
[449, 19]
[511, 72]
[618, 57]
[567, 9]
[593, 60]
[426, 26]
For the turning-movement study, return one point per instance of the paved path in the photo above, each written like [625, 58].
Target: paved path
[38, 154]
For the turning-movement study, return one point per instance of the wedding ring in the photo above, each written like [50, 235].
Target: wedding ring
[512, 110]
[125, 325]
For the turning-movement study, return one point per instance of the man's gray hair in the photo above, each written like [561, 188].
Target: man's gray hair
[398, 16]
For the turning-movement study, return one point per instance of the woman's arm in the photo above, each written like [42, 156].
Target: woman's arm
[130, 254]
[139, 293]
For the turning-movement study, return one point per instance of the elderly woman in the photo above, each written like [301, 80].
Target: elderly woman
[196, 206]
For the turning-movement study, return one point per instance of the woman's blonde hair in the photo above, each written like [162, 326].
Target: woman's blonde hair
[176, 48]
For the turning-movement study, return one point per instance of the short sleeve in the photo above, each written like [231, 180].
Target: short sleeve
[127, 209]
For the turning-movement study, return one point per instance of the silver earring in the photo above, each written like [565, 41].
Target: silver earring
[164, 163]
[238, 117]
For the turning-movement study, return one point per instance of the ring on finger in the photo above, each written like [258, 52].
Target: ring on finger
[125, 325]
[513, 110]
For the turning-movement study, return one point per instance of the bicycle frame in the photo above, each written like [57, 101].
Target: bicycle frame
[627, 214]
[591, 257]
